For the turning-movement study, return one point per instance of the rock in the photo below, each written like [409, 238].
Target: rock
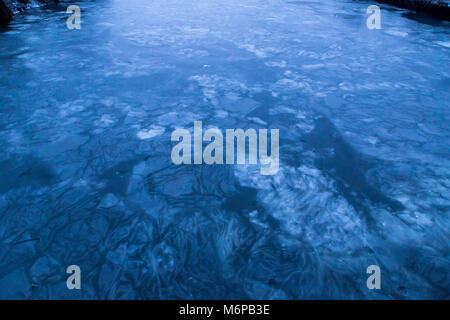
[18, 5]
[9, 7]
[437, 8]
[6, 14]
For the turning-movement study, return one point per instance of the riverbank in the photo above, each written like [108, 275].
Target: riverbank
[435, 8]
[10, 7]
[6, 14]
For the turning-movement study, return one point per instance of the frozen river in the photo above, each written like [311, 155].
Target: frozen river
[86, 176]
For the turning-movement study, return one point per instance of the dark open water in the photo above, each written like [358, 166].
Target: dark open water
[85, 170]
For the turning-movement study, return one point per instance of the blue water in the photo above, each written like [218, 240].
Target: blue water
[86, 176]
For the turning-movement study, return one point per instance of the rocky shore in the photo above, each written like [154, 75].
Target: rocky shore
[436, 8]
[6, 14]
[9, 7]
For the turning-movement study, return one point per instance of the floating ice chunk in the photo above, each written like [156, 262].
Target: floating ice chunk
[196, 30]
[397, 33]
[258, 52]
[108, 201]
[150, 133]
[193, 53]
[346, 86]
[257, 120]
[279, 64]
[282, 109]
[372, 140]
[444, 43]
[301, 115]
[81, 183]
[221, 114]
[109, 102]
[288, 83]
[298, 196]
[177, 119]
[313, 66]
[105, 121]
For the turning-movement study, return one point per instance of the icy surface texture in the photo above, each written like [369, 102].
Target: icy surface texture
[86, 176]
